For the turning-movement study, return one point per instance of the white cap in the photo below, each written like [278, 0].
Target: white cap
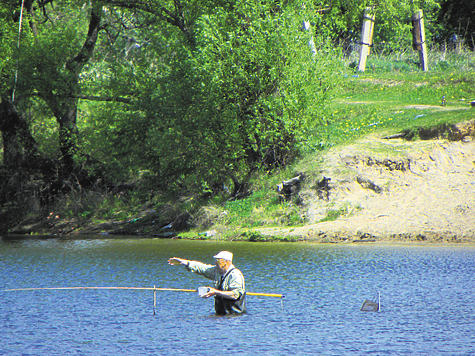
[224, 255]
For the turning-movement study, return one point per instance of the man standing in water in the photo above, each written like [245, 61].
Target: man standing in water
[230, 290]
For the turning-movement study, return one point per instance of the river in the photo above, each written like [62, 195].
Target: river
[426, 295]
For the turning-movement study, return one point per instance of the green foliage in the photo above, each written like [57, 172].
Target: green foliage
[250, 212]
[253, 236]
[455, 23]
[262, 208]
[98, 205]
[332, 214]
[392, 28]
[42, 54]
[237, 101]
[256, 236]
[8, 44]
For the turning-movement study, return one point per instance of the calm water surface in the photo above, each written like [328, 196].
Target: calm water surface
[427, 299]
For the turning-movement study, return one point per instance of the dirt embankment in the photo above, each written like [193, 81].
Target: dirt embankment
[395, 190]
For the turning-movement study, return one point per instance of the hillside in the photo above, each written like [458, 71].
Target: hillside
[380, 189]
[393, 189]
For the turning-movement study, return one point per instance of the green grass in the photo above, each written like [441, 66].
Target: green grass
[393, 102]
[392, 96]
[262, 208]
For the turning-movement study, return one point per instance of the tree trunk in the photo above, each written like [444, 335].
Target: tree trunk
[19, 146]
[68, 133]
[64, 103]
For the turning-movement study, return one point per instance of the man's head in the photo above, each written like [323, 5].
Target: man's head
[223, 260]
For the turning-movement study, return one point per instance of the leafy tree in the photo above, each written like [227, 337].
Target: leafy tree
[456, 21]
[197, 92]
[57, 46]
[236, 102]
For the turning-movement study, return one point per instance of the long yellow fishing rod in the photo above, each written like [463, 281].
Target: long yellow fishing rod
[154, 289]
[134, 288]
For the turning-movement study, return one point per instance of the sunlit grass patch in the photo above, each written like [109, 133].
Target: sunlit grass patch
[262, 208]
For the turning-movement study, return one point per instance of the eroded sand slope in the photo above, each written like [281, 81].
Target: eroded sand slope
[394, 190]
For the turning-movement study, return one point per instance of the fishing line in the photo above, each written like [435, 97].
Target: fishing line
[18, 47]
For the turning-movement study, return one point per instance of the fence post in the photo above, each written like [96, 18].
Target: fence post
[419, 38]
[366, 37]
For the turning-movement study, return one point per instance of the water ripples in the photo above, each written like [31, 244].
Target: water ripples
[427, 306]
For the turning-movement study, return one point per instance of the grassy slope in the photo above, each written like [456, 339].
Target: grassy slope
[390, 97]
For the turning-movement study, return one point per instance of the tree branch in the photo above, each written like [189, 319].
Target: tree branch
[77, 63]
[30, 11]
[118, 99]
[104, 98]
[175, 19]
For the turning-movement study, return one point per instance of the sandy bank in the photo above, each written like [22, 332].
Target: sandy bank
[393, 190]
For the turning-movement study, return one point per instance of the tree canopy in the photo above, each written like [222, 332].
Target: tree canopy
[194, 92]
[180, 89]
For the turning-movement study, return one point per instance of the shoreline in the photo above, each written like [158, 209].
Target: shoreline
[13, 238]
[394, 190]
[277, 235]
[381, 191]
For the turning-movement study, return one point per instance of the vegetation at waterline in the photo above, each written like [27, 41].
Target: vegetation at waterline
[202, 117]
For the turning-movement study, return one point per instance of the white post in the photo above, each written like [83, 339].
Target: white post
[366, 37]
[419, 38]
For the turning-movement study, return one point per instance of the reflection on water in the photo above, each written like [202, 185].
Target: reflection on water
[427, 304]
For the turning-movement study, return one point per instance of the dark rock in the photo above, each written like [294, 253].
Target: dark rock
[289, 188]
[323, 189]
[368, 184]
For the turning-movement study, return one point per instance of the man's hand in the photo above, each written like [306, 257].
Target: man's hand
[177, 261]
[211, 292]
[224, 294]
